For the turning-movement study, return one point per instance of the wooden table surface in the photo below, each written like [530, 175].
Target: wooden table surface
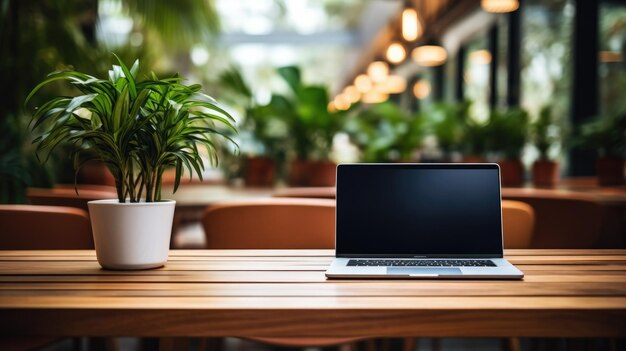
[570, 293]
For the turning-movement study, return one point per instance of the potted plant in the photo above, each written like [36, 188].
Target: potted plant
[311, 129]
[138, 129]
[447, 122]
[608, 137]
[544, 135]
[264, 148]
[385, 133]
[507, 134]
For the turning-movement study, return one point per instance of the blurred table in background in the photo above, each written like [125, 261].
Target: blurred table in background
[577, 213]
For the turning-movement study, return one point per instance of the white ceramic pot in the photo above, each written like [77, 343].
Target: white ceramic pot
[131, 235]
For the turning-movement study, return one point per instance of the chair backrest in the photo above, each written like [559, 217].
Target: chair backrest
[518, 221]
[273, 223]
[563, 220]
[29, 227]
[67, 196]
[323, 192]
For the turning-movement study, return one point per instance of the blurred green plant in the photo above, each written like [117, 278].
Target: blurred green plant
[604, 134]
[447, 122]
[311, 127]
[38, 37]
[137, 128]
[544, 132]
[507, 132]
[386, 133]
[260, 121]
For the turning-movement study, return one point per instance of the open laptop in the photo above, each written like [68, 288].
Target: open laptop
[419, 221]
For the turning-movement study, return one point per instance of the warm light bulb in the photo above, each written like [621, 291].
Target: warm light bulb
[331, 107]
[411, 26]
[341, 102]
[396, 53]
[352, 93]
[429, 55]
[378, 71]
[499, 6]
[363, 83]
[480, 57]
[421, 89]
[374, 97]
[392, 85]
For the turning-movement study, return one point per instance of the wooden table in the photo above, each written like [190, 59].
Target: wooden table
[272, 293]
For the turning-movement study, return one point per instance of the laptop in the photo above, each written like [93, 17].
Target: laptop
[419, 221]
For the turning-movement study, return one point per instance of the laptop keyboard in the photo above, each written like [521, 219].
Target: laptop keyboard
[420, 263]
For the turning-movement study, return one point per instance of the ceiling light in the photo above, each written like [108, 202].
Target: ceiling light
[411, 25]
[421, 89]
[378, 71]
[352, 93]
[374, 97]
[499, 6]
[480, 57]
[392, 85]
[396, 53]
[341, 102]
[363, 83]
[429, 55]
[331, 107]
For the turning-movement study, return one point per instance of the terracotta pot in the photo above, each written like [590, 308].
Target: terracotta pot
[610, 171]
[95, 172]
[322, 173]
[312, 173]
[298, 173]
[473, 159]
[511, 172]
[545, 173]
[260, 171]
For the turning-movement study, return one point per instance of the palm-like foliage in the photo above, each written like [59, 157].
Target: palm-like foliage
[137, 128]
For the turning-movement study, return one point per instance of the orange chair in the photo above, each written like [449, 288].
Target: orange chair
[272, 223]
[67, 197]
[28, 227]
[518, 221]
[323, 192]
[564, 220]
[289, 223]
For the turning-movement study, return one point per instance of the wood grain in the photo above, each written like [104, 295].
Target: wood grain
[271, 293]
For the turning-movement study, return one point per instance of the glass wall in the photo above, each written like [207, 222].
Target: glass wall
[546, 49]
[612, 51]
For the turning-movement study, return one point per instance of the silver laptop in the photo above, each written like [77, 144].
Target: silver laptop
[419, 221]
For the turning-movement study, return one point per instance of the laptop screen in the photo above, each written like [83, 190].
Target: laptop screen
[408, 210]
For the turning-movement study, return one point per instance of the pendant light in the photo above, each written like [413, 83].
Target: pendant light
[429, 55]
[412, 25]
[499, 6]
[396, 53]
[378, 71]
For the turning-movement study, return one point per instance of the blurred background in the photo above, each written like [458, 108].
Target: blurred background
[537, 86]
[534, 85]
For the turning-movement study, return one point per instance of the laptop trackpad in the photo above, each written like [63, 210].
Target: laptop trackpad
[423, 271]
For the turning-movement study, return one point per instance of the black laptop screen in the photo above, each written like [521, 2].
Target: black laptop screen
[418, 210]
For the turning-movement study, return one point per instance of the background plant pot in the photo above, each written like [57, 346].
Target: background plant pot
[95, 172]
[298, 173]
[260, 171]
[610, 171]
[312, 173]
[511, 172]
[131, 235]
[322, 173]
[545, 173]
[473, 159]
